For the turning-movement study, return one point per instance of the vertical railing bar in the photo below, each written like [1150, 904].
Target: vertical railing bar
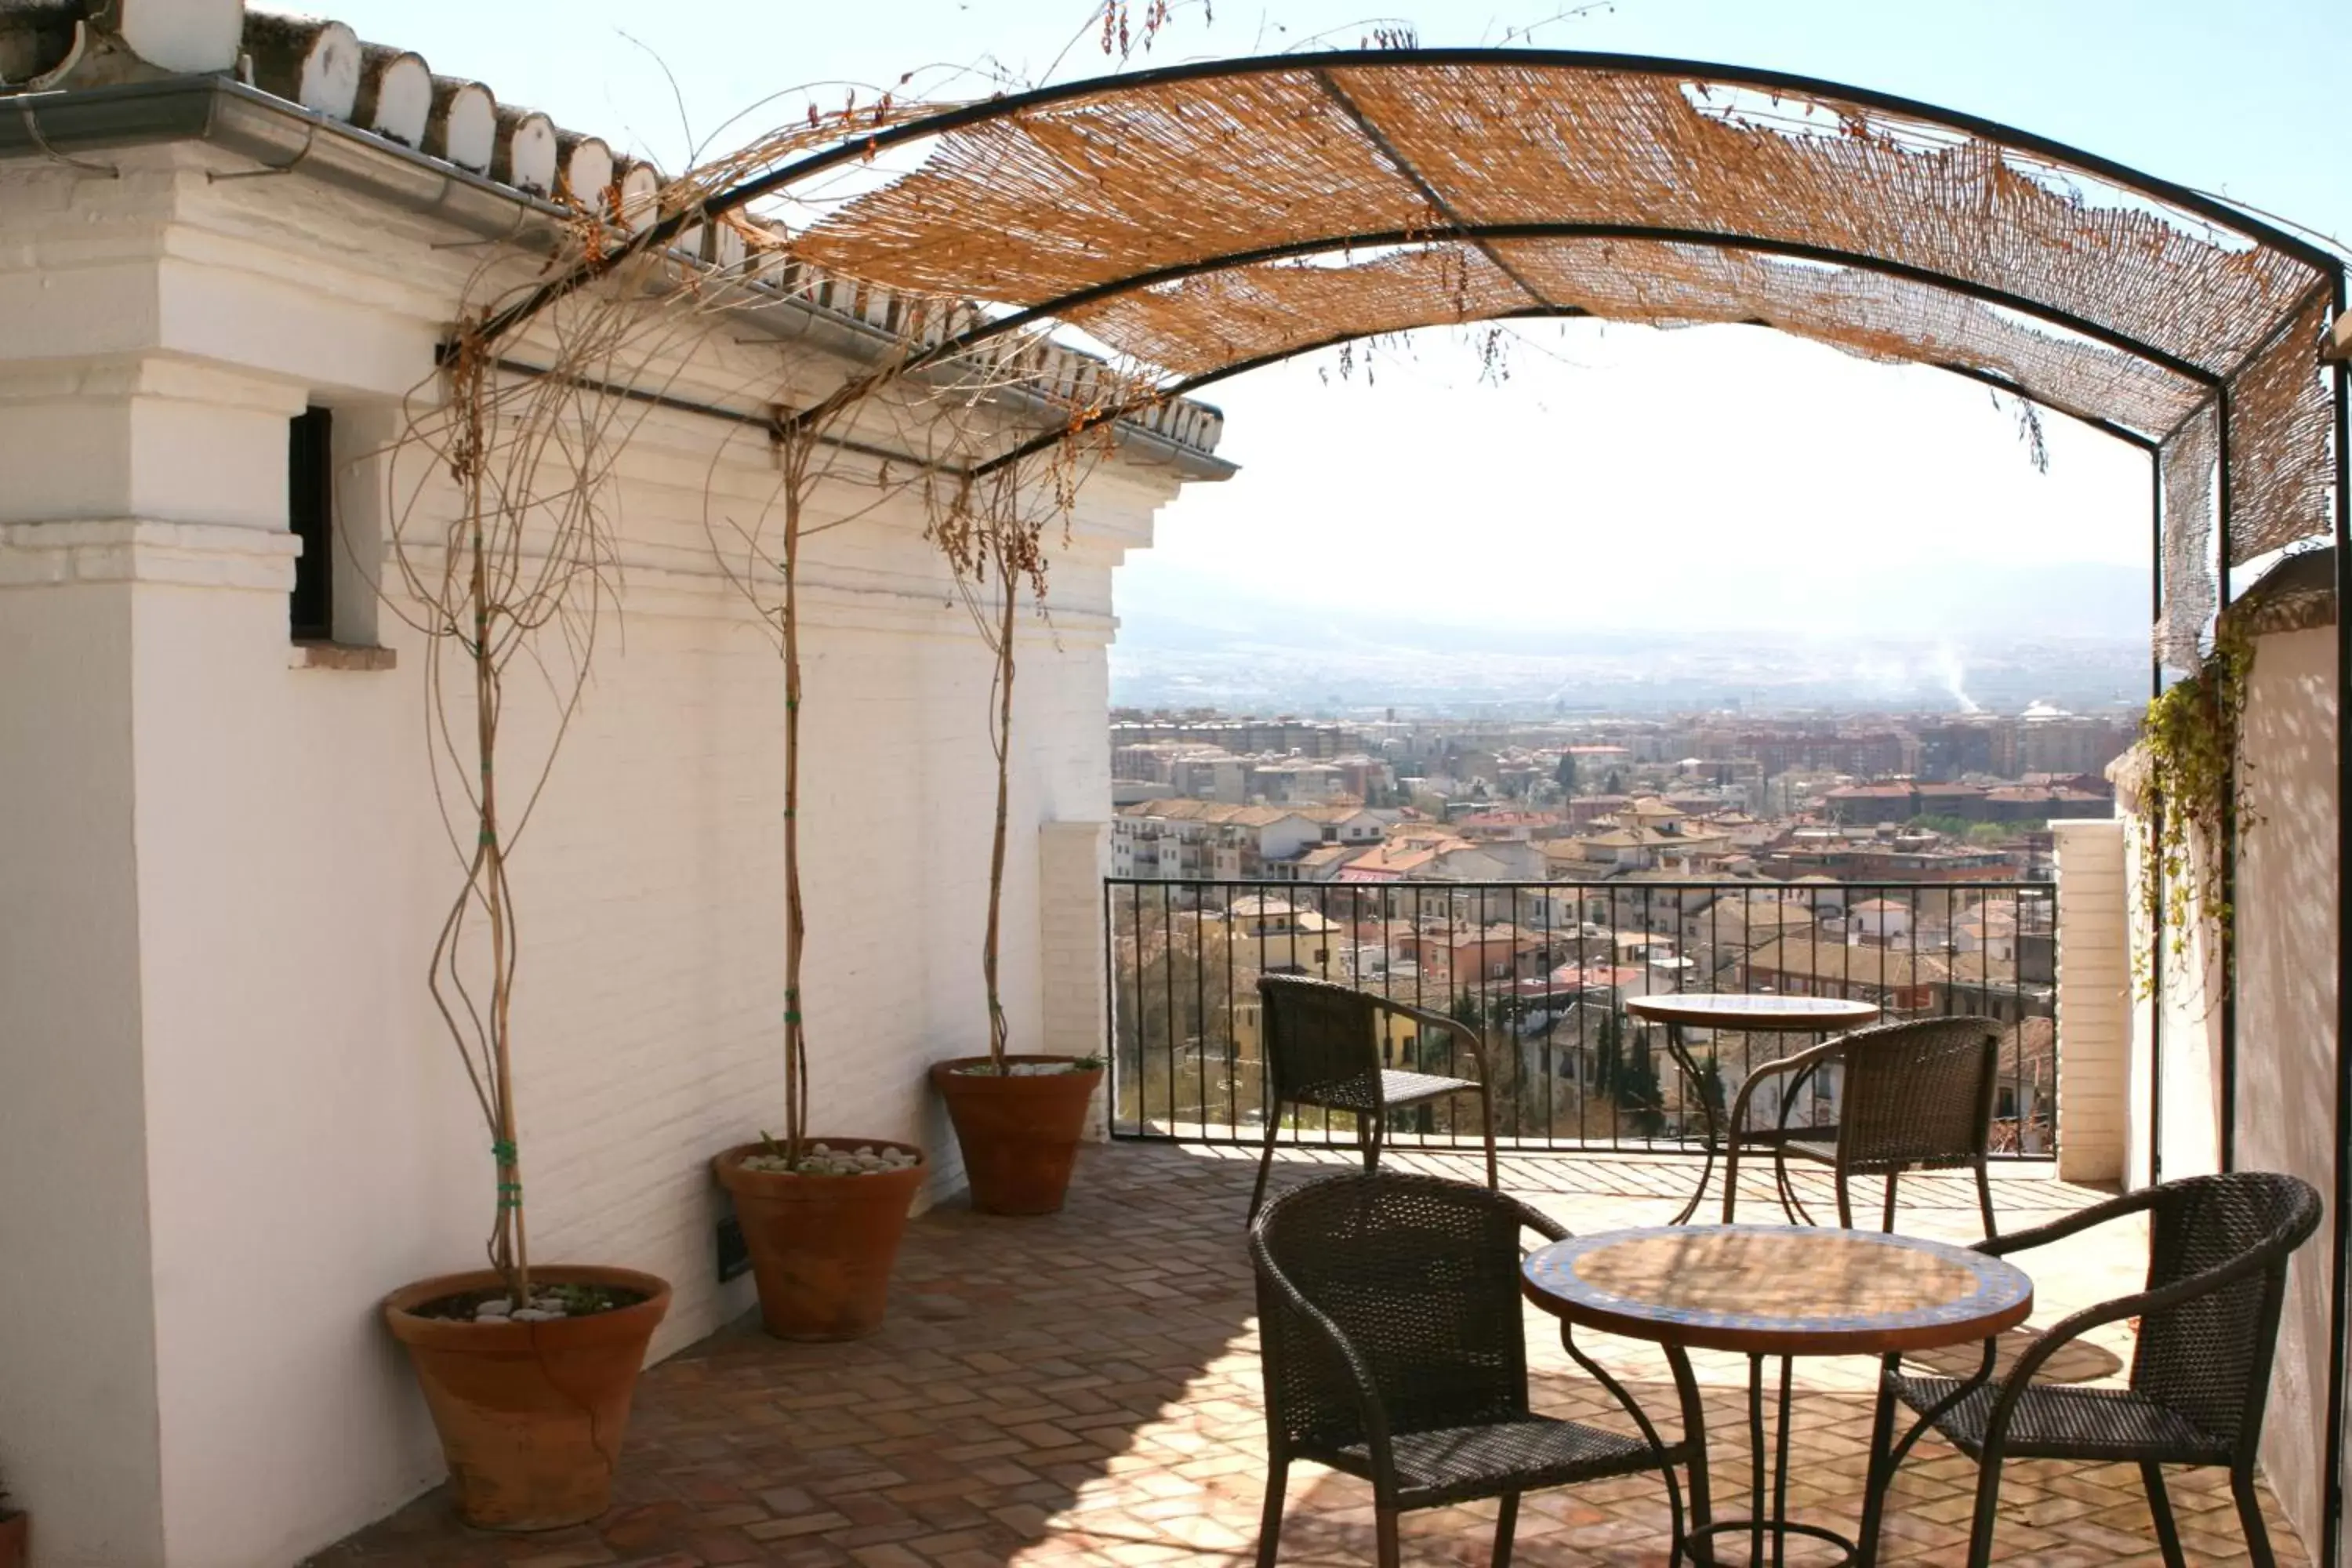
[1142, 1016]
[1111, 1012]
[1620, 1028]
[1480, 1007]
[1546, 959]
[1201, 1012]
[1168, 938]
[1233, 1049]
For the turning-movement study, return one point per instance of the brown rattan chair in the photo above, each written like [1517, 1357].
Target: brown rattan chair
[1915, 1097]
[1323, 1048]
[1394, 1345]
[2218, 1249]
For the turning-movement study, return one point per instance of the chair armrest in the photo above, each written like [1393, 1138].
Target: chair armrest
[2136, 1305]
[1369, 1408]
[2059, 1229]
[1542, 1224]
[1429, 1019]
[1803, 1061]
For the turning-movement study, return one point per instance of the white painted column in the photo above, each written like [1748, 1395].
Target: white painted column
[78, 1421]
[136, 484]
[2093, 1001]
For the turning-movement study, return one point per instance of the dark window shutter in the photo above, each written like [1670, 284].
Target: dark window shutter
[310, 514]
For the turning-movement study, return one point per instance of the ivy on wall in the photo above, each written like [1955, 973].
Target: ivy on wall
[2196, 799]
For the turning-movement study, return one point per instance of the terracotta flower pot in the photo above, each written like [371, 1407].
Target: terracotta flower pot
[15, 1537]
[530, 1415]
[821, 1247]
[1019, 1135]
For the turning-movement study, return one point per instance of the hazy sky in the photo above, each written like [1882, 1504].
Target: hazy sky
[1621, 476]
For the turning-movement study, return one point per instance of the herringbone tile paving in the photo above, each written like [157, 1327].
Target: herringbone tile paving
[1083, 1390]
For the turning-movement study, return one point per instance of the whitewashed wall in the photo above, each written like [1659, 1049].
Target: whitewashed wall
[2287, 925]
[230, 1122]
[2286, 932]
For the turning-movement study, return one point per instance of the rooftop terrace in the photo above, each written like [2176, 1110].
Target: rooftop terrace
[1084, 1389]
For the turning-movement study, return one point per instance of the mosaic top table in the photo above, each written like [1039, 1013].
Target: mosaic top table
[1756, 1013]
[1772, 1291]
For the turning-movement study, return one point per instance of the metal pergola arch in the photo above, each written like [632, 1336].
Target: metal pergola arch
[1447, 218]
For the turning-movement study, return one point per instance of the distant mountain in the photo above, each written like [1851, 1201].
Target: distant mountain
[1969, 634]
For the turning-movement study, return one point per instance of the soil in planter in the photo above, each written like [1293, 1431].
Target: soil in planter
[548, 1301]
[824, 1159]
[1033, 1069]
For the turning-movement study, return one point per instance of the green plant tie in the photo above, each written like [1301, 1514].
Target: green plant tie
[510, 1194]
[502, 1152]
[791, 1015]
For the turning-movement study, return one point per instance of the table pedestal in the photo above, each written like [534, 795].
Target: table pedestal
[1772, 1293]
[1767, 1515]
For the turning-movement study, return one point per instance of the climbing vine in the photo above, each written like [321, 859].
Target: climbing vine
[2195, 798]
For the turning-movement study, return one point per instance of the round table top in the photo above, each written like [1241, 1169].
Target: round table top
[1754, 1011]
[1778, 1290]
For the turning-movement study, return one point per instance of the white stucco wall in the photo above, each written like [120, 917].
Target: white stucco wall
[230, 1122]
[2287, 925]
[2287, 933]
[2176, 1045]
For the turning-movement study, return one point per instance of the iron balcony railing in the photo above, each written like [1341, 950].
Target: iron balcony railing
[1544, 969]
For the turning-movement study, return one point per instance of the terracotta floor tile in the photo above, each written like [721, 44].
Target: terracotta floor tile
[1082, 1391]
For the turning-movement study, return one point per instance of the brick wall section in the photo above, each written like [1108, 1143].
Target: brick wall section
[2093, 1001]
[1070, 856]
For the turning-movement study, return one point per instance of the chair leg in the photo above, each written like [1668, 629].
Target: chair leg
[1265, 1160]
[1269, 1530]
[1879, 1473]
[1507, 1524]
[1887, 1220]
[1384, 1525]
[1984, 1201]
[1845, 1199]
[2167, 1535]
[1369, 1126]
[1987, 1510]
[2250, 1517]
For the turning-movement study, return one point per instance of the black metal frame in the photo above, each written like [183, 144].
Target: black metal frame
[2340, 1205]
[854, 146]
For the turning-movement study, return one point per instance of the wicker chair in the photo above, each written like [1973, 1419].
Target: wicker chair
[1916, 1097]
[2218, 1249]
[1323, 1048]
[1389, 1316]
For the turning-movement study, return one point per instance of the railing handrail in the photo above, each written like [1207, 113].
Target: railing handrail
[1613, 884]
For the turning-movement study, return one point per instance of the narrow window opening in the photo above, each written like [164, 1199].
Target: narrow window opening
[311, 515]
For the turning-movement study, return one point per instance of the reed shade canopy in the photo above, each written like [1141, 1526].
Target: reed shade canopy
[1209, 217]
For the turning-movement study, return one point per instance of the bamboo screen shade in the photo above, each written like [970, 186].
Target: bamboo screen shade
[1200, 219]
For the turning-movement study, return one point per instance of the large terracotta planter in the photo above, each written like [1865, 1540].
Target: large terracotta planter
[1019, 1135]
[530, 1415]
[821, 1247]
[15, 1534]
